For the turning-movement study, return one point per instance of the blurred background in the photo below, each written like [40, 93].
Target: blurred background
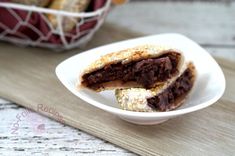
[211, 23]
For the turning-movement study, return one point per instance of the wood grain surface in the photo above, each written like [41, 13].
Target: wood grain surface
[28, 78]
[54, 139]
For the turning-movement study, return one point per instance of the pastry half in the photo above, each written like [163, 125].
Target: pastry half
[144, 66]
[162, 98]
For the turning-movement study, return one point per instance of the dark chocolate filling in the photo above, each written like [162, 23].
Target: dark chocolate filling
[145, 72]
[165, 100]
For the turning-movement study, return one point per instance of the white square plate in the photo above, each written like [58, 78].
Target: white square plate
[209, 85]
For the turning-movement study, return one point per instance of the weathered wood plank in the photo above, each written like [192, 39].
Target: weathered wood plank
[3, 101]
[48, 136]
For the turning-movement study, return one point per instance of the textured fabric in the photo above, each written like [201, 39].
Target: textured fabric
[36, 28]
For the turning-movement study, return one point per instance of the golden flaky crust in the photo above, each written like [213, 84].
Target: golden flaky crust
[135, 99]
[126, 56]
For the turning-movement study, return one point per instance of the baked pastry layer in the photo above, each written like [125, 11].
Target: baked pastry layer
[162, 98]
[143, 66]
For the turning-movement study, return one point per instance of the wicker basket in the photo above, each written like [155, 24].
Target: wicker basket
[29, 26]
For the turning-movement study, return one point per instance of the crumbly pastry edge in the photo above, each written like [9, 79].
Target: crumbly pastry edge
[133, 104]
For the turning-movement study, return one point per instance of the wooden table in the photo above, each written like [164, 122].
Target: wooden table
[210, 24]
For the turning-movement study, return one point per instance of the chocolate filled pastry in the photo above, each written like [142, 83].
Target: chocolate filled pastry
[166, 97]
[68, 23]
[144, 66]
[41, 3]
